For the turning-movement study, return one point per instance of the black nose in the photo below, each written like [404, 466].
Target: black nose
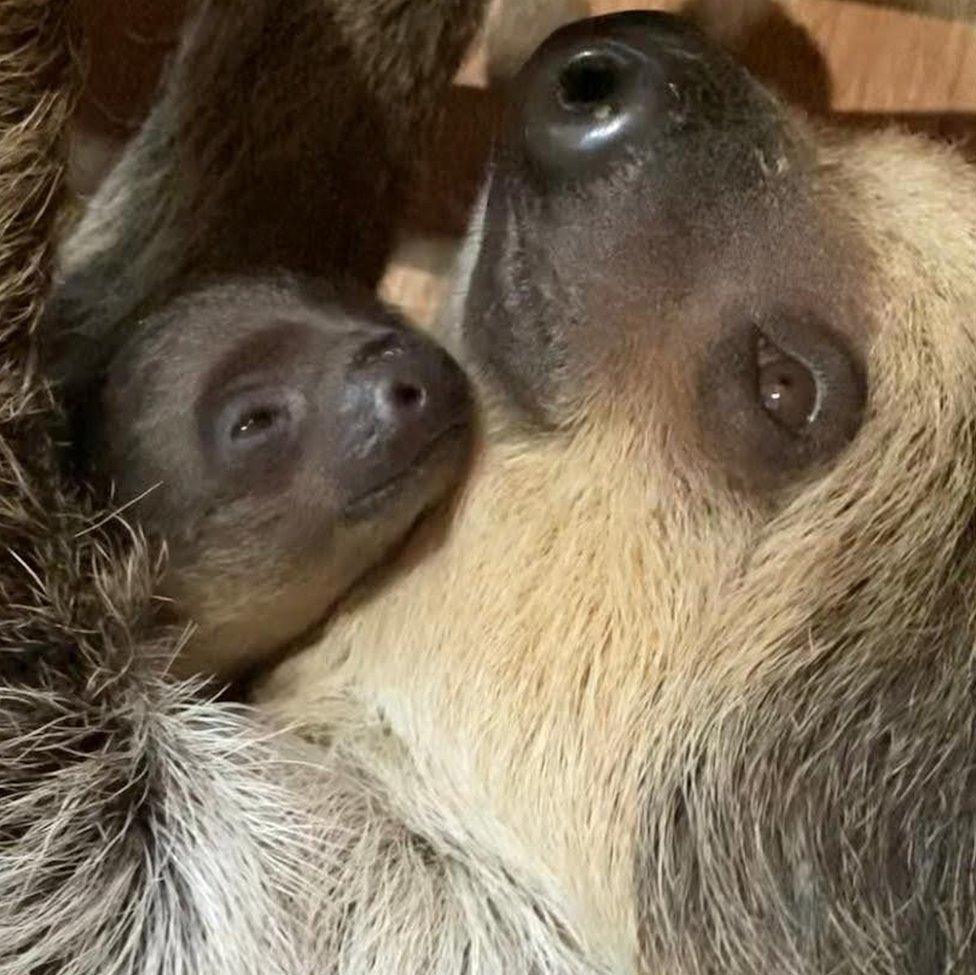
[404, 397]
[602, 87]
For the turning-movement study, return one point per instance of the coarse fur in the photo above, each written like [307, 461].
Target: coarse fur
[627, 719]
[129, 808]
[110, 781]
[143, 828]
[709, 725]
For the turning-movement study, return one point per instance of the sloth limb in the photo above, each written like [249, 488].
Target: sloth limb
[278, 119]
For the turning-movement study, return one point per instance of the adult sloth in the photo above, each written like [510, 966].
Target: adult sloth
[689, 686]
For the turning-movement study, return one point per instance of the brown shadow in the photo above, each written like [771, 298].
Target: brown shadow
[784, 56]
[127, 44]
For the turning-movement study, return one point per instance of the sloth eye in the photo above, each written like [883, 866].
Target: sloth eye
[256, 419]
[779, 396]
[787, 388]
[255, 422]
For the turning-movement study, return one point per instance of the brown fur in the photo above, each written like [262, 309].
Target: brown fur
[145, 829]
[249, 140]
[604, 729]
[299, 171]
[711, 729]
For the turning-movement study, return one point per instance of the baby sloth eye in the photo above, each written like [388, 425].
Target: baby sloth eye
[256, 418]
[787, 388]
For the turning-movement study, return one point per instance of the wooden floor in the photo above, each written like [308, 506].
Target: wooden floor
[876, 57]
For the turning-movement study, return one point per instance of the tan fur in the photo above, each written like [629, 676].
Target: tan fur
[571, 647]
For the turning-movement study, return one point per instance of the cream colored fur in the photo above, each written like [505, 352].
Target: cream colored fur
[563, 643]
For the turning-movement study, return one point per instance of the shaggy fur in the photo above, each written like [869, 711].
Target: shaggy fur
[130, 811]
[612, 725]
[147, 829]
[706, 731]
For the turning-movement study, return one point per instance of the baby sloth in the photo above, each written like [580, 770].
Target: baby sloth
[280, 441]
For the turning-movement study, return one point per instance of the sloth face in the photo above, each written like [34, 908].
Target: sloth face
[280, 442]
[697, 647]
[657, 247]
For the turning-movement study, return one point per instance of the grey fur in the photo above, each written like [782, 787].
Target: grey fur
[145, 829]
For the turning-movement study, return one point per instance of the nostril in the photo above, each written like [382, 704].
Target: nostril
[588, 82]
[408, 396]
[583, 106]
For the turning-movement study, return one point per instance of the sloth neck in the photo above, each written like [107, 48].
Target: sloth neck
[512, 662]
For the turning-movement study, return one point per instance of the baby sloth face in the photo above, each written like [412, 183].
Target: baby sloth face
[281, 441]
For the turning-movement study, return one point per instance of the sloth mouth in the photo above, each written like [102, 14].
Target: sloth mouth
[426, 479]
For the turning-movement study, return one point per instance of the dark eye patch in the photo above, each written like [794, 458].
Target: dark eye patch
[778, 397]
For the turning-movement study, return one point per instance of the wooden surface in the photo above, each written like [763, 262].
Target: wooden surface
[885, 60]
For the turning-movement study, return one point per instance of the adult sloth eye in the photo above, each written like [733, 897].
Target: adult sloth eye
[778, 397]
[255, 422]
[787, 388]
